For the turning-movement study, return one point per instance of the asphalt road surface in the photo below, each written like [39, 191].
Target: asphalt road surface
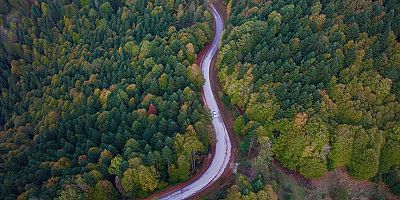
[223, 144]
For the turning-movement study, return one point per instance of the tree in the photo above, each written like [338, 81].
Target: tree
[106, 8]
[313, 168]
[180, 171]
[140, 177]
[191, 53]
[163, 81]
[239, 90]
[132, 49]
[188, 144]
[84, 3]
[340, 194]
[338, 82]
[239, 125]
[147, 178]
[45, 9]
[130, 182]
[76, 91]
[71, 192]
[342, 145]
[364, 161]
[264, 157]
[234, 193]
[302, 147]
[5, 8]
[267, 193]
[275, 17]
[389, 156]
[70, 10]
[115, 166]
[170, 4]
[103, 190]
[262, 112]
[203, 133]
[167, 155]
[195, 75]
[145, 49]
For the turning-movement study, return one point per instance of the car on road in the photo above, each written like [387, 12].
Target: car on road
[214, 114]
[223, 148]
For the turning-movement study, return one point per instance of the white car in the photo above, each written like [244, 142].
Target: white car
[214, 114]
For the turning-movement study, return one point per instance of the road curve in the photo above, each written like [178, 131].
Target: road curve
[223, 144]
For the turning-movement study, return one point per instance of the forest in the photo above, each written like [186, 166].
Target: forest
[93, 90]
[101, 99]
[320, 80]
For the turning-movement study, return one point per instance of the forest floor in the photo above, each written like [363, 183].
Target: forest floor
[324, 187]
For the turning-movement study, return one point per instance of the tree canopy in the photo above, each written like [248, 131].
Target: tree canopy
[96, 89]
[320, 78]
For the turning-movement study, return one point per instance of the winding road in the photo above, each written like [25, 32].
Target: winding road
[223, 147]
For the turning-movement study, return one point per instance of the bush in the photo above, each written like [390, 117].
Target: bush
[340, 194]
[392, 179]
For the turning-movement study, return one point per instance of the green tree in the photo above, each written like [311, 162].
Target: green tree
[147, 178]
[188, 144]
[342, 145]
[180, 171]
[195, 75]
[267, 193]
[103, 190]
[71, 192]
[5, 8]
[275, 17]
[115, 166]
[390, 152]
[130, 182]
[264, 157]
[84, 3]
[106, 8]
[132, 49]
[167, 155]
[364, 162]
[81, 77]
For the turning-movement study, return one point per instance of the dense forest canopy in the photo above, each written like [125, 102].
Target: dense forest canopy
[96, 89]
[320, 79]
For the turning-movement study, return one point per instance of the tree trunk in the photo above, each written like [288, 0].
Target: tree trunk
[193, 160]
